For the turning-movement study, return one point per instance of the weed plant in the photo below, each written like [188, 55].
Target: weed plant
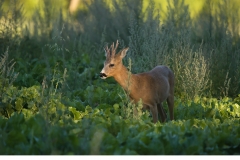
[153, 37]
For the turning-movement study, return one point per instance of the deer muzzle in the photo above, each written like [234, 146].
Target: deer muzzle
[103, 75]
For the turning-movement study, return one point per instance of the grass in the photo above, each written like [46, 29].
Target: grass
[57, 94]
[206, 44]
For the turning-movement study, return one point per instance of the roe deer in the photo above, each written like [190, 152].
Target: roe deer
[152, 87]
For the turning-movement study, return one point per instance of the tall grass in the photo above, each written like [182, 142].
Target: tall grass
[202, 64]
[169, 43]
[7, 73]
[203, 52]
[217, 26]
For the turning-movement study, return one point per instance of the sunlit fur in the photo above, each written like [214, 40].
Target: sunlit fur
[152, 87]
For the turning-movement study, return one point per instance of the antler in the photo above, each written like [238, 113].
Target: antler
[112, 50]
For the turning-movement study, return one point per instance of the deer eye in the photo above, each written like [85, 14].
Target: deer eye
[111, 65]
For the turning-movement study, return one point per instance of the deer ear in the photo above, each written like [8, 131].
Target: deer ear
[123, 52]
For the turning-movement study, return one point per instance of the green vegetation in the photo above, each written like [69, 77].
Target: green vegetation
[53, 102]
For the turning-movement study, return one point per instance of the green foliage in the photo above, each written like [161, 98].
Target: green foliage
[24, 100]
[53, 102]
[208, 108]
[105, 131]
[197, 64]
[207, 44]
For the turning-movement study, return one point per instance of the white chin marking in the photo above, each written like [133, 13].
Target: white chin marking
[103, 77]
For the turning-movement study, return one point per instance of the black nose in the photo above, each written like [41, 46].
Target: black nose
[102, 75]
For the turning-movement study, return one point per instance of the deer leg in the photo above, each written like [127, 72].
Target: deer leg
[170, 102]
[154, 111]
[162, 113]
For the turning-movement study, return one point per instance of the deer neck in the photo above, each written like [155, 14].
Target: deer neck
[124, 78]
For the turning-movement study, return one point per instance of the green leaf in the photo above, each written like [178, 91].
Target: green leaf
[19, 104]
[76, 114]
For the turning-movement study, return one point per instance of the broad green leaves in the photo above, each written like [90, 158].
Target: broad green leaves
[61, 125]
[95, 131]
[208, 108]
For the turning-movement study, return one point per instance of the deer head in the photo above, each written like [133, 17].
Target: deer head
[113, 62]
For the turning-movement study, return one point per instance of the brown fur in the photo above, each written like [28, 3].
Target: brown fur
[152, 87]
